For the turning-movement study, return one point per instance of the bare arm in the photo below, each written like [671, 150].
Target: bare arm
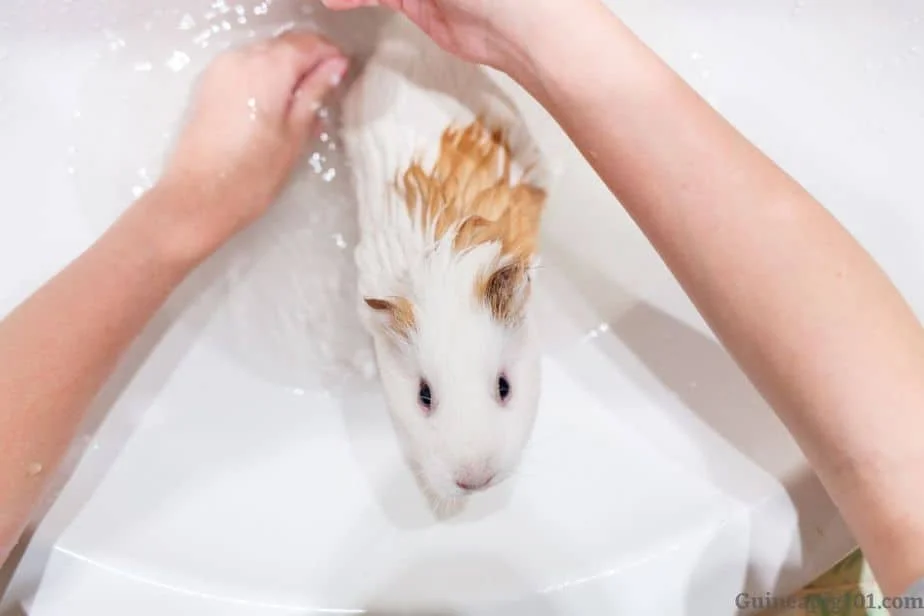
[802, 307]
[805, 311]
[60, 346]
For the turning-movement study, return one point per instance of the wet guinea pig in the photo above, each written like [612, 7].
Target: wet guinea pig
[451, 192]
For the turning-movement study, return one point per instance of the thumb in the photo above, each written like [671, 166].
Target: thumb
[311, 91]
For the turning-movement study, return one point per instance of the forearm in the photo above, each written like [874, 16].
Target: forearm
[813, 321]
[59, 347]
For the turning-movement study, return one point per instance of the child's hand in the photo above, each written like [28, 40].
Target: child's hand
[498, 33]
[251, 118]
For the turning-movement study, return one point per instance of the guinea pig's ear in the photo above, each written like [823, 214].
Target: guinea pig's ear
[395, 314]
[506, 292]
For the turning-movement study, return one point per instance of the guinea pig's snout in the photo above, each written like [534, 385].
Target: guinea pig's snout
[475, 481]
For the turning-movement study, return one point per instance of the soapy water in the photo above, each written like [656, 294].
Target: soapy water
[284, 290]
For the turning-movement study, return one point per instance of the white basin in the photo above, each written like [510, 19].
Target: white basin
[224, 472]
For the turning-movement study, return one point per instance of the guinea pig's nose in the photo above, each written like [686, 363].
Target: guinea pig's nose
[473, 483]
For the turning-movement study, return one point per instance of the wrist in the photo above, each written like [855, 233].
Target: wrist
[566, 52]
[165, 220]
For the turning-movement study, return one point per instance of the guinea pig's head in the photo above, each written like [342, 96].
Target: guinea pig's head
[460, 368]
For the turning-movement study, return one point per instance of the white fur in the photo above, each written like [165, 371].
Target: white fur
[408, 94]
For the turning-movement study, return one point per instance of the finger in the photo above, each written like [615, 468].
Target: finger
[311, 92]
[302, 51]
[303, 41]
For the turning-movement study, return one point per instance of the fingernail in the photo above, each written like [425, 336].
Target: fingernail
[335, 68]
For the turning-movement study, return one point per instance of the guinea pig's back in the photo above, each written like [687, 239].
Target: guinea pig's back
[408, 94]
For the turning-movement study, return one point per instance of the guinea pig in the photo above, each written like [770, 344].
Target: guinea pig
[451, 192]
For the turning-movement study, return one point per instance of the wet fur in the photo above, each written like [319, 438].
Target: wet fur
[450, 190]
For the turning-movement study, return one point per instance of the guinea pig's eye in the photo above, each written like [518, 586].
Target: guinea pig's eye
[424, 397]
[503, 388]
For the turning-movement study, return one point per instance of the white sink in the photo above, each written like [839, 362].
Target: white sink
[225, 473]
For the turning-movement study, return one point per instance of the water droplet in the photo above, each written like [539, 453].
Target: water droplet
[338, 239]
[71, 171]
[252, 105]
[138, 191]
[115, 42]
[315, 161]
[297, 391]
[696, 56]
[177, 61]
[187, 23]
[202, 38]
[286, 27]
[261, 9]
[76, 114]
[329, 175]
[35, 468]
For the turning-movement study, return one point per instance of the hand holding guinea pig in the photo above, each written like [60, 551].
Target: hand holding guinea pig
[498, 34]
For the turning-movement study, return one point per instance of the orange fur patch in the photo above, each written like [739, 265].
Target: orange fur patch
[470, 186]
[505, 291]
[400, 313]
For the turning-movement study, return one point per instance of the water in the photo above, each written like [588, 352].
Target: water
[284, 290]
[700, 78]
